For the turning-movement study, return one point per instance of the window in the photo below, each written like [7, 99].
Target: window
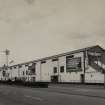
[4, 73]
[62, 69]
[70, 56]
[26, 64]
[23, 72]
[33, 79]
[32, 69]
[55, 69]
[26, 72]
[20, 66]
[54, 59]
[91, 75]
[43, 62]
[14, 67]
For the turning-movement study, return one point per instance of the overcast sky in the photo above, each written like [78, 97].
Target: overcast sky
[33, 29]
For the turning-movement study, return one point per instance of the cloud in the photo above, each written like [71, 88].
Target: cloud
[30, 1]
[34, 28]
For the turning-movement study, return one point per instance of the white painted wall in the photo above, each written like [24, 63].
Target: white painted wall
[93, 76]
[45, 71]
[70, 76]
[14, 72]
[38, 72]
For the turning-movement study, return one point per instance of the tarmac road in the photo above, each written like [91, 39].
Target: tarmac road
[54, 95]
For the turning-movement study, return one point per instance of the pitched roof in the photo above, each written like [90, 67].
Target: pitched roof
[62, 54]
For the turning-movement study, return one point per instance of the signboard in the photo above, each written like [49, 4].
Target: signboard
[73, 64]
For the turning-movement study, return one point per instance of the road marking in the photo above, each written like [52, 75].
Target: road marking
[58, 87]
[82, 90]
[36, 98]
[73, 89]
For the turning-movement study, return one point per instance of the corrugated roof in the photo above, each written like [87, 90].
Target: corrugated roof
[58, 55]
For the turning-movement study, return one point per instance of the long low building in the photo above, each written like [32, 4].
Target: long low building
[85, 65]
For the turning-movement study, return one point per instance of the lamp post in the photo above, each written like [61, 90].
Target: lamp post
[7, 52]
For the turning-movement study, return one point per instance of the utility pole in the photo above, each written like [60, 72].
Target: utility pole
[7, 52]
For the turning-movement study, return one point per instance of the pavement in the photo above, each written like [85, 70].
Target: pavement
[54, 95]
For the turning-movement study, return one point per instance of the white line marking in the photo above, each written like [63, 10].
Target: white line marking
[73, 89]
[36, 98]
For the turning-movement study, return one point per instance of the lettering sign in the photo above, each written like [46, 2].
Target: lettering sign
[73, 64]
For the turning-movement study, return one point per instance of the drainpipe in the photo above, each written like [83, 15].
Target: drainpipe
[58, 71]
[18, 73]
[102, 55]
[40, 72]
[84, 65]
[104, 77]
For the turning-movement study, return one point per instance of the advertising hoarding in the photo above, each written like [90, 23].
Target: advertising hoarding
[73, 64]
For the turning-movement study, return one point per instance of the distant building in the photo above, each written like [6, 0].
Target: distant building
[85, 65]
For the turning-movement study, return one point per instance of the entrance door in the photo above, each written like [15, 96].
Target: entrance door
[33, 79]
[54, 79]
[82, 78]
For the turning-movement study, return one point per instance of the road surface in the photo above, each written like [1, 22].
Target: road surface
[54, 95]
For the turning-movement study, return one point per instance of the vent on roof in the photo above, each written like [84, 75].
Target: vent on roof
[54, 59]
[43, 62]
[70, 56]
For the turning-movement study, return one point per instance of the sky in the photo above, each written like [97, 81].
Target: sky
[33, 29]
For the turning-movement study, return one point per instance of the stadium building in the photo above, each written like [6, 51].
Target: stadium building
[85, 65]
